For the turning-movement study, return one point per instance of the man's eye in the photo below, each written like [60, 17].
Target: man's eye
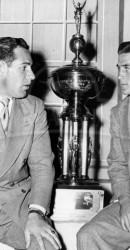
[127, 67]
[24, 67]
[118, 67]
[124, 68]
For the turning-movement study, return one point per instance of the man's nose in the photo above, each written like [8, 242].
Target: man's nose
[30, 75]
[121, 74]
[119, 77]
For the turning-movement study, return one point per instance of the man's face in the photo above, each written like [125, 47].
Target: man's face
[124, 72]
[18, 75]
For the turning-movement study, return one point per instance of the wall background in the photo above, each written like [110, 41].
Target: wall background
[48, 26]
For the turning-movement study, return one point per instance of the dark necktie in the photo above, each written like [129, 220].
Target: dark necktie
[4, 116]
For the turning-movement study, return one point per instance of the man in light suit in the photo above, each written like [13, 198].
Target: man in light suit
[110, 228]
[26, 159]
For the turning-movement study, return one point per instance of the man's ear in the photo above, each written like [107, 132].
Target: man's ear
[3, 69]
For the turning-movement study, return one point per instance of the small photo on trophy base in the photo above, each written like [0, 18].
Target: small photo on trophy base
[77, 204]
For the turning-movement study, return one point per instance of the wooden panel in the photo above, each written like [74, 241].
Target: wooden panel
[52, 98]
[109, 61]
[102, 175]
[48, 10]
[48, 43]
[15, 10]
[16, 30]
[103, 113]
[111, 37]
[126, 35]
[107, 187]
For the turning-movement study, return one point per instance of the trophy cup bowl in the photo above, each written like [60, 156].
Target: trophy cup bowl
[86, 81]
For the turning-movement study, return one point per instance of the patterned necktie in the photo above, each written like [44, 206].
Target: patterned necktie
[4, 116]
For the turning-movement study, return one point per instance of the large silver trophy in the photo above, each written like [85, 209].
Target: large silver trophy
[76, 83]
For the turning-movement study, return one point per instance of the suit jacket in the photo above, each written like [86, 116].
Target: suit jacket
[119, 156]
[26, 160]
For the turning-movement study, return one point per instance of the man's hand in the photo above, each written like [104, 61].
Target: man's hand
[40, 229]
[125, 215]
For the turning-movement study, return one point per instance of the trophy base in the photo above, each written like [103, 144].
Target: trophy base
[78, 201]
[65, 180]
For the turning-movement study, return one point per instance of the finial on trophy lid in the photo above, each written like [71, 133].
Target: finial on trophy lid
[77, 43]
[78, 14]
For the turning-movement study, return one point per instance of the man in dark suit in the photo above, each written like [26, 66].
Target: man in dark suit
[26, 159]
[110, 228]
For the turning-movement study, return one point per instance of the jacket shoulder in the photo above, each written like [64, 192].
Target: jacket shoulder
[120, 106]
[32, 103]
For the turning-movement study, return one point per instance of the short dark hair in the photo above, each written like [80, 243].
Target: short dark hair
[7, 46]
[124, 47]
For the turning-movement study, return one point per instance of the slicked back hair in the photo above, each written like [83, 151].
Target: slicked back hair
[7, 46]
[124, 47]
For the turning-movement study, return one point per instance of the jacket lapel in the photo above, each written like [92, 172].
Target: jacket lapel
[21, 122]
